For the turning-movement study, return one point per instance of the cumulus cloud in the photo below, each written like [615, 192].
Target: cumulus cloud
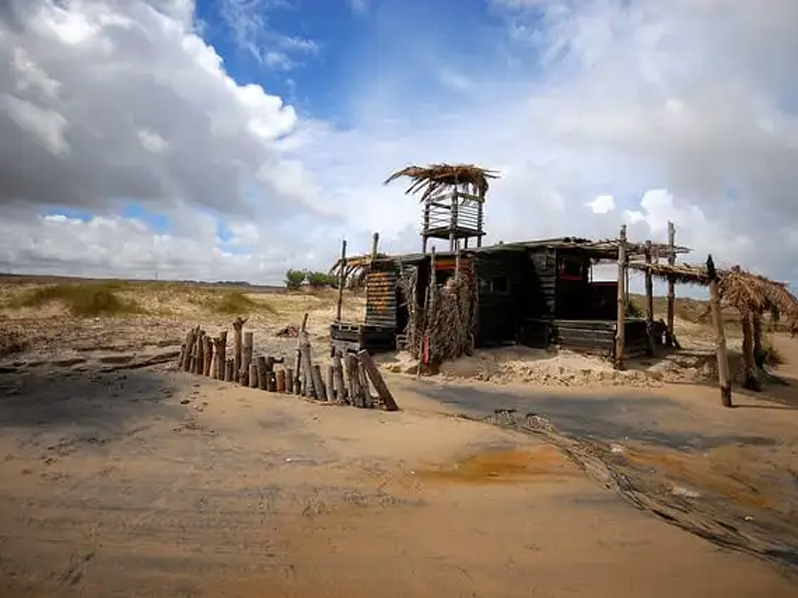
[602, 204]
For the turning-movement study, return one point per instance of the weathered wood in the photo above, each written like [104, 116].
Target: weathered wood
[306, 361]
[670, 338]
[352, 379]
[330, 384]
[429, 308]
[377, 380]
[318, 383]
[759, 353]
[298, 361]
[253, 375]
[229, 368]
[190, 338]
[271, 380]
[620, 328]
[182, 356]
[649, 303]
[366, 401]
[208, 355]
[246, 352]
[222, 352]
[341, 282]
[243, 377]
[215, 359]
[289, 380]
[199, 364]
[260, 362]
[280, 380]
[338, 375]
[724, 379]
[751, 379]
[238, 331]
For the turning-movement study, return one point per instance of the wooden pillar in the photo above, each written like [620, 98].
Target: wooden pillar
[318, 383]
[479, 222]
[751, 381]
[375, 241]
[669, 339]
[724, 379]
[238, 331]
[620, 324]
[453, 224]
[338, 376]
[246, 354]
[253, 375]
[260, 364]
[649, 302]
[759, 355]
[207, 354]
[426, 226]
[341, 281]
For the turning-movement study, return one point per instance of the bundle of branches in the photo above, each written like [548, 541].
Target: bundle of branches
[753, 293]
[414, 331]
[438, 177]
[452, 318]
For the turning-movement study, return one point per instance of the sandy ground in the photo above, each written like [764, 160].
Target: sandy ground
[147, 483]
[124, 478]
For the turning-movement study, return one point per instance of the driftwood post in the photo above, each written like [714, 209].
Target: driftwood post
[330, 383]
[669, 337]
[199, 363]
[222, 353]
[751, 381]
[649, 302]
[289, 380]
[238, 329]
[260, 364]
[318, 383]
[253, 375]
[352, 379]
[427, 315]
[724, 379]
[620, 325]
[229, 366]
[246, 356]
[190, 338]
[280, 380]
[215, 360]
[208, 354]
[338, 375]
[298, 361]
[341, 282]
[377, 380]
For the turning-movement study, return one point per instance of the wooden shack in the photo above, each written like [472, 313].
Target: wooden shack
[536, 293]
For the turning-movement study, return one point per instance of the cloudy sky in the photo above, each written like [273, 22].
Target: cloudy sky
[232, 139]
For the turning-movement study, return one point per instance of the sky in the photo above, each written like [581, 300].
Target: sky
[234, 139]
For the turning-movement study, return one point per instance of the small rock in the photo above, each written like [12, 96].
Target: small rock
[684, 492]
[616, 449]
[184, 401]
[748, 518]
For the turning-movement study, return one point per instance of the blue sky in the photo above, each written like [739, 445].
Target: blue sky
[238, 138]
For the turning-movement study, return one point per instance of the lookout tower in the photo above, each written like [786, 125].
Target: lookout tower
[453, 199]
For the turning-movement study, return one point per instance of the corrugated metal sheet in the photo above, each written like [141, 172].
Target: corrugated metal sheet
[381, 298]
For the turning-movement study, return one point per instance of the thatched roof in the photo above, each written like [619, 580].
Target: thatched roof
[738, 288]
[435, 178]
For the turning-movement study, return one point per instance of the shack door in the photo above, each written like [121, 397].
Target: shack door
[381, 299]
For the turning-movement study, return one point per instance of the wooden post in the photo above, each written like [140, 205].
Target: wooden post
[338, 374]
[222, 353]
[341, 282]
[199, 363]
[253, 375]
[649, 302]
[208, 355]
[298, 361]
[751, 381]
[190, 338]
[352, 379]
[453, 224]
[238, 328]
[669, 337]
[215, 360]
[318, 383]
[280, 383]
[246, 356]
[365, 389]
[759, 355]
[426, 226]
[377, 380]
[289, 380]
[620, 325]
[724, 379]
[260, 363]
[330, 383]
[229, 367]
[375, 240]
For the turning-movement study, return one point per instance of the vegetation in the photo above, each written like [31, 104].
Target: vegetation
[634, 310]
[87, 299]
[232, 303]
[294, 279]
[11, 342]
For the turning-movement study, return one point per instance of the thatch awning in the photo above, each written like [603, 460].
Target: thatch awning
[435, 178]
[738, 288]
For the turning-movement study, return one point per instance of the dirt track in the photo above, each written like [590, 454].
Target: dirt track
[153, 484]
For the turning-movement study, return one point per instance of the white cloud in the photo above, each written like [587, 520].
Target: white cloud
[603, 204]
[358, 7]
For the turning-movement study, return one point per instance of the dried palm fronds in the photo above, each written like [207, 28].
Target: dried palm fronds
[451, 325]
[437, 177]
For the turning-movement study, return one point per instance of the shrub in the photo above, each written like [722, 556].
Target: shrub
[318, 280]
[294, 279]
[233, 303]
[11, 342]
[89, 299]
[633, 310]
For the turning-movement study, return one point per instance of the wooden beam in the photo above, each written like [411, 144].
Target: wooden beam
[341, 281]
[649, 303]
[724, 379]
[620, 324]
[318, 383]
[246, 354]
[751, 381]
[338, 375]
[669, 339]
[377, 380]
[238, 328]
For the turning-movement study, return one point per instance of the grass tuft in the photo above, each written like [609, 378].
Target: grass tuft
[88, 299]
[232, 303]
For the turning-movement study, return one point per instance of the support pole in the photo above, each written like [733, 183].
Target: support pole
[724, 379]
[759, 354]
[341, 281]
[620, 324]
[649, 303]
[238, 328]
[453, 224]
[669, 338]
[246, 355]
[751, 381]
[375, 241]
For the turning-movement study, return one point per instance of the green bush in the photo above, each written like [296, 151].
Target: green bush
[294, 279]
[633, 310]
[88, 299]
[318, 280]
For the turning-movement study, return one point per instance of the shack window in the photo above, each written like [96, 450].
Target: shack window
[571, 269]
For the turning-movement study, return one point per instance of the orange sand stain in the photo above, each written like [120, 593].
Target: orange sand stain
[543, 464]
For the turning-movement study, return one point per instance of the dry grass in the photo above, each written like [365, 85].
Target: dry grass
[231, 303]
[87, 299]
[12, 341]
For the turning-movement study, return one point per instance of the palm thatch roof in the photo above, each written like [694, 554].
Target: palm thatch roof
[738, 288]
[432, 179]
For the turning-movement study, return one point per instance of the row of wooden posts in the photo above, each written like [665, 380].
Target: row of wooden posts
[348, 376]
